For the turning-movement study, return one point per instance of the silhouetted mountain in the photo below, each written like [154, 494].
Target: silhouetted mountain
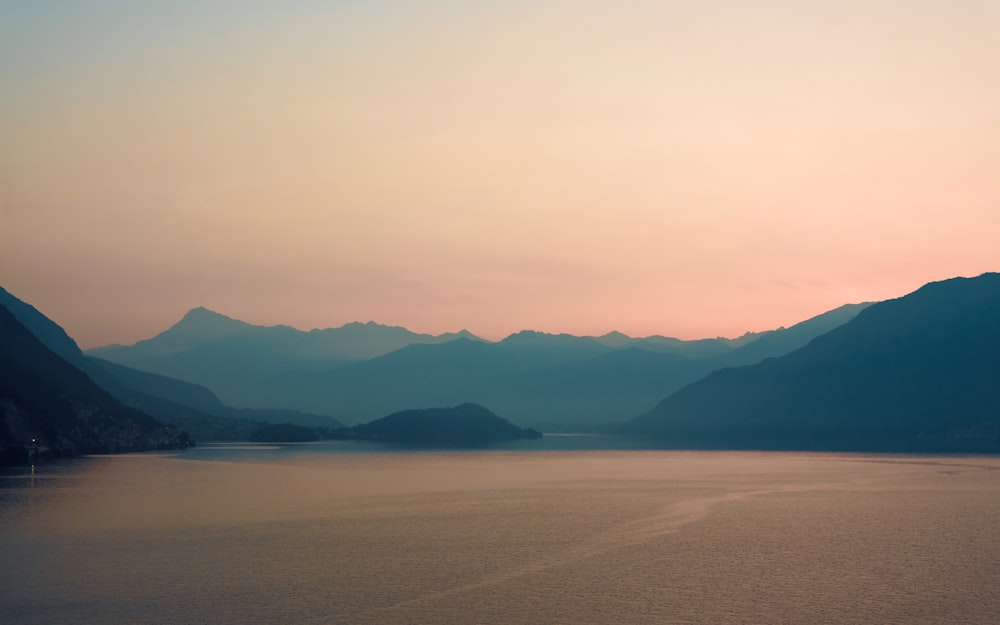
[198, 326]
[235, 358]
[45, 398]
[918, 373]
[191, 407]
[695, 349]
[44, 329]
[552, 348]
[461, 334]
[787, 340]
[558, 382]
[466, 424]
[529, 379]
[117, 378]
[552, 382]
[590, 393]
[416, 375]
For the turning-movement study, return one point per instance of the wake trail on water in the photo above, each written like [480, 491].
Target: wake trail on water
[632, 533]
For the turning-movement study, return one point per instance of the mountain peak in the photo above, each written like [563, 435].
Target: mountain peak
[615, 339]
[461, 334]
[200, 312]
[197, 326]
[201, 323]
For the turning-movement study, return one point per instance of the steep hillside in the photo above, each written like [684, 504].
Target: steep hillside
[919, 373]
[786, 340]
[47, 400]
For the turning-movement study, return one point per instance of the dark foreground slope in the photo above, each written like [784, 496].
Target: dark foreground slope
[46, 399]
[467, 424]
[918, 373]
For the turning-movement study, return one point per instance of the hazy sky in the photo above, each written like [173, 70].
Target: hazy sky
[688, 168]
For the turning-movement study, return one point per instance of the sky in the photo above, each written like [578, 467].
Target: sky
[685, 168]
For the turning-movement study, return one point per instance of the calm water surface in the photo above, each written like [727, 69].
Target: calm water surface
[325, 534]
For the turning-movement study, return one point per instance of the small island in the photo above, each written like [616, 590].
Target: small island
[467, 424]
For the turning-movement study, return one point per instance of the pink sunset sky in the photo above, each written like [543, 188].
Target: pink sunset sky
[685, 168]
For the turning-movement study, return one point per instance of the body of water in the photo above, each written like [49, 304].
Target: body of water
[344, 533]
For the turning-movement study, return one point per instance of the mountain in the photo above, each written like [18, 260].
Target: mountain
[549, 382]
[196, 327]
[45, 399]
[235, 358]
[110, 376]
[787, 340]
[191, 407]
[917, 373]
[466, 424]
[592, 393]
[695, 349]
[121, 380]
[201, 331]
[556, 382]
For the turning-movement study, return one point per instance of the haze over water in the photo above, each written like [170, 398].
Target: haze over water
[304, 534]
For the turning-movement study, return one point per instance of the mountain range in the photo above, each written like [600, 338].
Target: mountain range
[917, 373]
[359, 372]
[191, 407]
[232, 357]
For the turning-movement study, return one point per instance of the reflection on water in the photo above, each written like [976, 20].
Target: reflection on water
[326, 533]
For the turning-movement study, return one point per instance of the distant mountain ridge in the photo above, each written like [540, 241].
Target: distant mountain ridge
[360, 371]
[233, 357]
[917, 373]
[201, 327]
[197, 326]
